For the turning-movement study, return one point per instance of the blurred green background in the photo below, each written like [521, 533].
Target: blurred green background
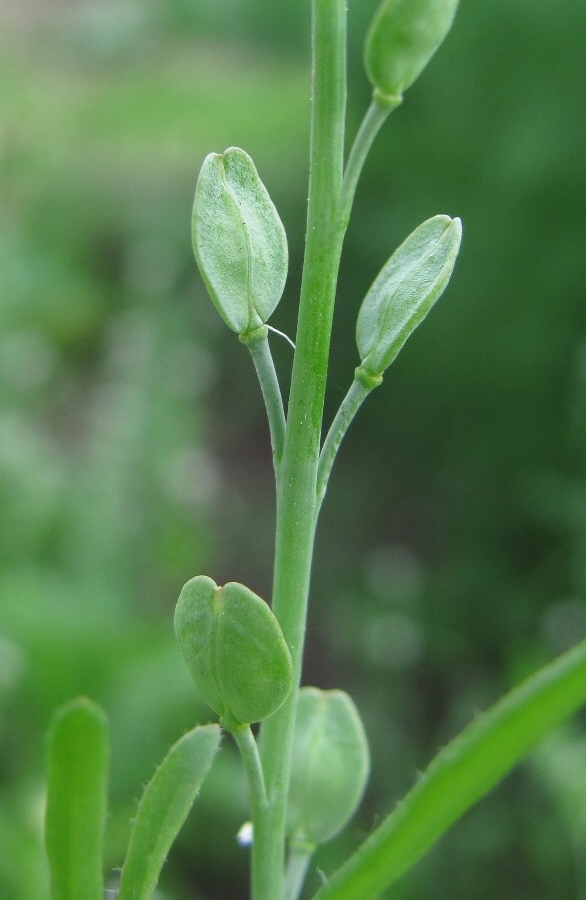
[451, 557]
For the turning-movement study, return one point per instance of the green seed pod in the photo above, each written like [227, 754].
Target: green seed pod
[402, 38]
[238, 240]
[234, 649]
[330, 766]
[412, 280]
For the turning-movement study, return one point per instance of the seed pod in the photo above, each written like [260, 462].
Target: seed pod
[234, 649]
[407, 287]
[330, 766]
[238, 240]
[402, 38]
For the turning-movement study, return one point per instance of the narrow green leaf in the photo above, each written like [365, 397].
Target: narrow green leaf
[163, 809]
[463, 772]
[76, 800]
[405, 290]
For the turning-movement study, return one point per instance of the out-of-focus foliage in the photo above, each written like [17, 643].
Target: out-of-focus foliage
[107, 488]
[133, 447]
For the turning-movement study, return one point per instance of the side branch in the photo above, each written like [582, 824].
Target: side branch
[376, 114]
[360, 388]
[258, 344]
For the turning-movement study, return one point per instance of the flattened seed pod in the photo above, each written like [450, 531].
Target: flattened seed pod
[409, 284]
[401, 40]
[330, 766]
[238, 240]
[234, 649]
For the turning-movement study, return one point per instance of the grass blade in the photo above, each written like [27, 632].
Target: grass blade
[76, 800]
[163, 809]
[462, 772]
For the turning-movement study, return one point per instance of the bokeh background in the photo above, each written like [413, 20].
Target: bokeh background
[451, 557]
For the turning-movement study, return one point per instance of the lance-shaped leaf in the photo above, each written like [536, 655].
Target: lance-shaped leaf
[405, 290]
[330, 766]
[234, 649]
[163, 809]
[462, 772]
[401, 40]
[238, 240]
[76, 800]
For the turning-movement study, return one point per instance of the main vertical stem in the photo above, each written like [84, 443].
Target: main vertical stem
[296, 489]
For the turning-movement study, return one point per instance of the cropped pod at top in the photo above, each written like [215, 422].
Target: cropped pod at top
[234, 649]
[238, 240]
[405, 290]
[402, 38]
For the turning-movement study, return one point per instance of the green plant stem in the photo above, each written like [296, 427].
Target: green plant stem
[258, 797]
[296, 482]
[360, 388]
[252, 764]
[297, 865]
[258, 344]
[376, 114]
